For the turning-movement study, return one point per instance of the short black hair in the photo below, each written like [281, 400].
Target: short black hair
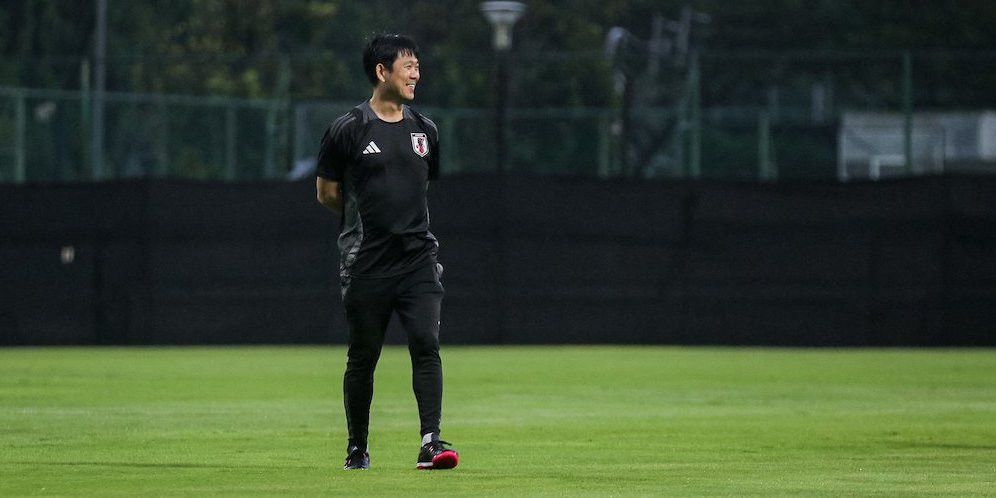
[384, 49]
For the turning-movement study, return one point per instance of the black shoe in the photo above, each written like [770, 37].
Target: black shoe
[358, 459]
[436, 455]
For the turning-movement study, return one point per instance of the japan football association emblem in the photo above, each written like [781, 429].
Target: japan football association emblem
[420, 144]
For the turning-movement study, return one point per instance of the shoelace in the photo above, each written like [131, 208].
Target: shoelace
[439, 445]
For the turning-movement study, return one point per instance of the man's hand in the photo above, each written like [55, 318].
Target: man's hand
[329, 194]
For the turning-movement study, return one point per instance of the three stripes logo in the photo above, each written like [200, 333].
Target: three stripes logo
[371, 148]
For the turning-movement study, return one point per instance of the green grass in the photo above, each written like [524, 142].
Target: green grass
[560, 421]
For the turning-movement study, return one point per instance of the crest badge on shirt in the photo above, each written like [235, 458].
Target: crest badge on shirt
[420, 144]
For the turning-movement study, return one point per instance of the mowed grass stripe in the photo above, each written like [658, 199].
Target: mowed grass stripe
[527, 421]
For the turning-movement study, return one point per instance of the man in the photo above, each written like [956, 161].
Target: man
[373, 168]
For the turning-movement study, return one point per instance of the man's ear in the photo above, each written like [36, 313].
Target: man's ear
[381, 71]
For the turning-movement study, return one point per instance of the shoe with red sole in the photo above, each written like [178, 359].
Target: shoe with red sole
[436, 455]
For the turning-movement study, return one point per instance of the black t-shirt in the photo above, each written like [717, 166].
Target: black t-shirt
[383, 170]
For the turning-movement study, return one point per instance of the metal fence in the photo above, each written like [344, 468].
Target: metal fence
[742, 116]
[47, 135]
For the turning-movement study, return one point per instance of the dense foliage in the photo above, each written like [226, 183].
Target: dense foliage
[310, 48]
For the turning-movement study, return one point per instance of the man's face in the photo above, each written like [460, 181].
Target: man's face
[403, 76]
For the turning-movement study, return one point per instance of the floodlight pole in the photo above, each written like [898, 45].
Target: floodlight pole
[502, 16]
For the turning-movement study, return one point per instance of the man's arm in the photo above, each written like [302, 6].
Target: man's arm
[329, 194]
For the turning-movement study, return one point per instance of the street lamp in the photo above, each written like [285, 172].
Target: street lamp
[502, 16]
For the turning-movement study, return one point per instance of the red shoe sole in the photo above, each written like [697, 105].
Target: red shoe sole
[442, 461]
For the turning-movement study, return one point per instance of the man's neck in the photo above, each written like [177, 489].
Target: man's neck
[386, 108]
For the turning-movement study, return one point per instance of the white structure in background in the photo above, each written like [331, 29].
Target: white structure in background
[871, 144]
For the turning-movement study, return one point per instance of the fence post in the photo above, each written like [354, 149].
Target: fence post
[85, 138]
[695, 133]
[230, 142]
[20, 170]
[766, 170]
[604, 144]
[908, 110]
[449, 138]
[271, 135]
[274, 109]
[162, 138]
[100, 82]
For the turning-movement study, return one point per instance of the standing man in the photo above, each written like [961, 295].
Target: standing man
[374, 167]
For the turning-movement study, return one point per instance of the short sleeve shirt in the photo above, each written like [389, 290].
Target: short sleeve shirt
[383, 170]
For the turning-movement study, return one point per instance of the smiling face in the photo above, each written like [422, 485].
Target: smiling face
[400, 79]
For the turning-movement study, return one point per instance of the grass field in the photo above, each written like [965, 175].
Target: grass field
[527, 420]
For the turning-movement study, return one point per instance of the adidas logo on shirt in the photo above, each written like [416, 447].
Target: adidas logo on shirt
[371, 148]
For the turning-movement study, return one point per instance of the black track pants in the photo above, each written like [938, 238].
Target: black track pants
[416, 298]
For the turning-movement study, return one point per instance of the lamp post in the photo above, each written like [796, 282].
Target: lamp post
[502, 16]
